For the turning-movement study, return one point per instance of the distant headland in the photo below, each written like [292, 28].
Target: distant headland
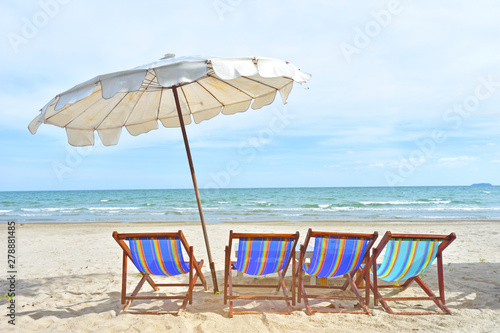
[482, 184]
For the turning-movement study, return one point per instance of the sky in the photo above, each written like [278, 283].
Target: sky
[403, 93]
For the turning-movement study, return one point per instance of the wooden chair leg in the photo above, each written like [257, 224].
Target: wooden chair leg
[151, 282]
[294, 268]
[407, 283]
[440, 277]
[356, 292]
[376, 294]
[299, 292]
[367, 285]
[300, 272]
[230, 287]
[183, 305]
[437, 299]
[191, 282]
[124, 278]
[227, 270]
[304, 297]
[285, 292]
[430, 297]
[197, 267]
[135, 292]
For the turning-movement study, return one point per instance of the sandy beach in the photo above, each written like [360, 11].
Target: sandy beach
[69, 277]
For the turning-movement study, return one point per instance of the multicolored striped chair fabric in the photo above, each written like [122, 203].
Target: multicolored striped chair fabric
[336, 256]
[158, 256]
[406, 258]
[261, 255]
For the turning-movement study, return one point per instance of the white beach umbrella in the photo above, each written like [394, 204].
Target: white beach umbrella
[174, 91]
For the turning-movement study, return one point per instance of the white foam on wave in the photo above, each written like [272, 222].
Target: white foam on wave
[405, 202]
[112, 208]
[440, 201]
[49, 209]
[397, 202]
[374, 209]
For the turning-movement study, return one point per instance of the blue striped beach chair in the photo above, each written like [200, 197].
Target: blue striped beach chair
[159, 254]
[336, 255]
[406, 258]
[258, 255]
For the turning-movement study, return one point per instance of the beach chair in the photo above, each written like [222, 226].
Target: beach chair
[407, 257]
[258, 255]
[336, 254]
[159, 254]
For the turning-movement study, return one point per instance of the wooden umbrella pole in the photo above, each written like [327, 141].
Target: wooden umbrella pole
[195, 184]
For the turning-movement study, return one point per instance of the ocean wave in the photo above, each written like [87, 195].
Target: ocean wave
[112, 208]
[316, 206]
[51, 209]
[374, 209]
[446, 217]
[310, 205]
[383, 203]
[260, 203]
[405, 202]
[29, 215]
[174, 212]
[8, 202]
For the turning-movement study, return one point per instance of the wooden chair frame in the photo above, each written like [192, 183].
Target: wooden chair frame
[228, 279]
[353, 279]
[438, 300]
[193, 266]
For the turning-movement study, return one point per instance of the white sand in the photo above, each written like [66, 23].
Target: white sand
[69, 278]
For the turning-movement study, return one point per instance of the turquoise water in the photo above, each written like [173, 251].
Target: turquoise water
[461, 203]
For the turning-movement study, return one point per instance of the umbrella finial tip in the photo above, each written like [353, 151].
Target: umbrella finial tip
[168, 56]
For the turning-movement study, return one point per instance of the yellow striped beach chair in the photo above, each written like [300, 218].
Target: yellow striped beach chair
[258, 255]
[336, 255]
[406, 258]
[159, 254]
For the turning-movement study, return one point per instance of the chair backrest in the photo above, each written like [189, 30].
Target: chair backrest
[261, 254]
[158, 256]
[156, 253]
[337, 254]
[407, 256]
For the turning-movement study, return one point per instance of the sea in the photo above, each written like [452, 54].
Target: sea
[404, 204]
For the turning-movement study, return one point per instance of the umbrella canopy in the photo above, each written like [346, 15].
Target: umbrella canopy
[174, 91]
[137, 98]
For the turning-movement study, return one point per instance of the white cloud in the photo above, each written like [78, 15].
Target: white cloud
[369, 166]
[455, 162]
